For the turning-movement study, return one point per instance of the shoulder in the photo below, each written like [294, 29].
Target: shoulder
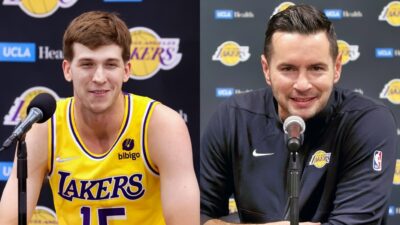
[365, 117]
[349, 101]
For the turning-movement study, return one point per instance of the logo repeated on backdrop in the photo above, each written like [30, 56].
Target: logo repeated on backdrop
[396, 178]
[337, 14]
[5, 170]
[225, 92]
[150, 53]
[27, 52]
[17, 111]
[40, 8]
[349, 52]
[391, 13]
[320, 159]
[228, 14]
[281, 7]
[17, 52]
[387, 53]
[43, 215]
[231, 53]
[391, 91]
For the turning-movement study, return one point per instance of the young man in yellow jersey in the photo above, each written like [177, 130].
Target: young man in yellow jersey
[111, 157]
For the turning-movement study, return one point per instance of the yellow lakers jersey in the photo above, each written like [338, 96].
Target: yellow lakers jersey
[118, 187]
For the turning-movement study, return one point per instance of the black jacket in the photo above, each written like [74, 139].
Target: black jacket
[348, 159]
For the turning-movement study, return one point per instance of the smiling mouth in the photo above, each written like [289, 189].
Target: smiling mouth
[303, 99]
[99, 92]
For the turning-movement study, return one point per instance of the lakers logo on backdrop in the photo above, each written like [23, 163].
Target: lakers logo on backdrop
[18, 111]
[391, 14]
[396, 178]
[43, 215]
[150, 53]
[231, 53]
[391, 91]
[349, 52]
[320, 159]
[282, 6]
[40, 8]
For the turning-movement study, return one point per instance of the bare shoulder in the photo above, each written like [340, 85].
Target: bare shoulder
[167, 134]
[164, 115]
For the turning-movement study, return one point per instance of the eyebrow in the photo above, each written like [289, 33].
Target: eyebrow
[91, 59]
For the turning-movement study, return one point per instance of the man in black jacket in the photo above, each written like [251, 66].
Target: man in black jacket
[349, 150]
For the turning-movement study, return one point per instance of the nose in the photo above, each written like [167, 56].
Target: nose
[99, 76]
[302, 83]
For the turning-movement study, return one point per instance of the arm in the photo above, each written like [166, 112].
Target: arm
[36, 142]
[171, 151]
[362, 192]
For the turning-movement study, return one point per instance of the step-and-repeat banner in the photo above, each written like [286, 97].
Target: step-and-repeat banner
[232, 39]
[165, 59]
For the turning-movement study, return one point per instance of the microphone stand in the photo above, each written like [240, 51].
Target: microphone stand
[22, 174]
[293, 145]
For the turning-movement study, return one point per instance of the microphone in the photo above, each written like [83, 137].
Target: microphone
[40, 109]
[294, 128]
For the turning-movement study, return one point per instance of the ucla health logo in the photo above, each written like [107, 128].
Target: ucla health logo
[5, 170]
[231, 53]
[228, 14]
[391, 91]
[337, 14]
[17, 52]
[150, 53]
[224, 92]
[17, 112]
[349, 52]
[391, 14]
[40, 8]
[223, 14]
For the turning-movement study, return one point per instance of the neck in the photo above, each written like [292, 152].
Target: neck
[99, 130]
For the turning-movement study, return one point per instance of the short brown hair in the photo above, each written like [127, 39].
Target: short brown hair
[303, 19]
[94, 29]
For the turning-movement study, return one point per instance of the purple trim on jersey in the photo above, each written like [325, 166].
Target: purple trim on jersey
[144, 142]
[81, 144]
[52, 124]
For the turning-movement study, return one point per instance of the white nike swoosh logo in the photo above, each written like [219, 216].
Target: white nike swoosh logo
[256, 154]
[58, 159]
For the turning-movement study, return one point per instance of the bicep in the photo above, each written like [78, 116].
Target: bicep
[170, 149]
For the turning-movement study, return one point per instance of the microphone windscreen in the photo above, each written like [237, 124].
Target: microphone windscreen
[46, 103]
[294, 119]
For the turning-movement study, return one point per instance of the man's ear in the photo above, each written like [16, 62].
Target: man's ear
[66, 66]
[127, 71]
[338, 68]
[265, 68]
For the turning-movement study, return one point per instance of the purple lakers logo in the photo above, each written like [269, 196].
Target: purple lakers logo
[17, 111]
[377, 162]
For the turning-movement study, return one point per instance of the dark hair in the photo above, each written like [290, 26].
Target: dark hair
[303, 19]
[94, 29]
